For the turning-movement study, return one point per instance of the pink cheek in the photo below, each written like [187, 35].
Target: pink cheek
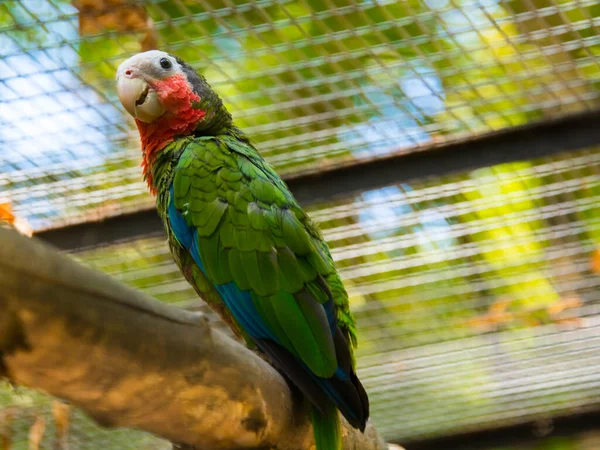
[175, 94]
[171, 97]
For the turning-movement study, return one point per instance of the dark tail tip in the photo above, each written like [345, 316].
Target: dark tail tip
[364, 399]
[354, 404]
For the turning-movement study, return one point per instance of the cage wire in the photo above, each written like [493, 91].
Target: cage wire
[477, 294]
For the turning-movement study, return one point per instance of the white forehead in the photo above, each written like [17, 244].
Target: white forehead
[149, 63]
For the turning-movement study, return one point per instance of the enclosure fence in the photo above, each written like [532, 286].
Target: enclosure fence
[449, 151]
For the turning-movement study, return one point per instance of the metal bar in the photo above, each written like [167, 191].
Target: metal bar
[521, 435]
[530, 141]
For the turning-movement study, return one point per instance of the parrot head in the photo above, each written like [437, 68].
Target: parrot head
[155, 85]
[167, 99]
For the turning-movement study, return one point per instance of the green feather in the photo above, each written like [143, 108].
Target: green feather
[263, 190]
[181, 184]
[205, 184]
[211, 217]
[226, 234]
[200, 280]
[291, 276]
[220, 152]
[267, 265]
[197, 172]
[239, 219]
[295, 234]
[308, 272]
[314, 347]
[243, 239]
[210, 196]
[240, 203]
[248, 169]
[256, 216]
[197, 164]
[316, 292]
[246, 193]
[230, 175]
[209, 156]
[320, 264]
[264, 242]
[224, 272]
[271, 217]
[209, 249]
[230, 195]
[261, 271]
[237, 269]
[264, 306]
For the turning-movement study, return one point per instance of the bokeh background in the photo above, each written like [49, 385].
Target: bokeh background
[477, 292]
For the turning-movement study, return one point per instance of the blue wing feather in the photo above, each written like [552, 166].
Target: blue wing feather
[238, 301]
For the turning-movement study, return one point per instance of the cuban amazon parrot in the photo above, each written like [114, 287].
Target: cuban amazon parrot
[241, 239]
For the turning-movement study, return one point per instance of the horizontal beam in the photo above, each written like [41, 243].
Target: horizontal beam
[529, 434]
[530, 141]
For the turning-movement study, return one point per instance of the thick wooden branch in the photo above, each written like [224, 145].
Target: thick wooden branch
[131, 361]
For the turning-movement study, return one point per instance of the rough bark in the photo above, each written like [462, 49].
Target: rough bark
[131, 361]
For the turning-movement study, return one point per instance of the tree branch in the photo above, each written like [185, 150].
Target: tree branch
[131, 361]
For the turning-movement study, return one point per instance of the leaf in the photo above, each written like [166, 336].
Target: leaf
[18, 223]
[6, 214]
[596, 261]
[564, 304]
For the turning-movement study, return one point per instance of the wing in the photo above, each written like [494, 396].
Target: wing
[344, 318]
[269, 264]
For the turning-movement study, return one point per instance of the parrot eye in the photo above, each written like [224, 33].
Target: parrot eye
[165, 63]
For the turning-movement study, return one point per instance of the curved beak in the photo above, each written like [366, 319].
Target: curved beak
[139, 99]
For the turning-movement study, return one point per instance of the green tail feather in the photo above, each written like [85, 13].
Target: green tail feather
[327, 428]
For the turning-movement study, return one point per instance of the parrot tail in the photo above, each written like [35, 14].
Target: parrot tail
[327, 428]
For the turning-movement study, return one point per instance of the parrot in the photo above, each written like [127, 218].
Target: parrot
[242, 241]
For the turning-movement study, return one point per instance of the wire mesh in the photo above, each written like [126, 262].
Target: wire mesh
[314, 83]
[476, 295]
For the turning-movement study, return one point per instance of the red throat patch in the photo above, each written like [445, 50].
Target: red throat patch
[180, 119]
